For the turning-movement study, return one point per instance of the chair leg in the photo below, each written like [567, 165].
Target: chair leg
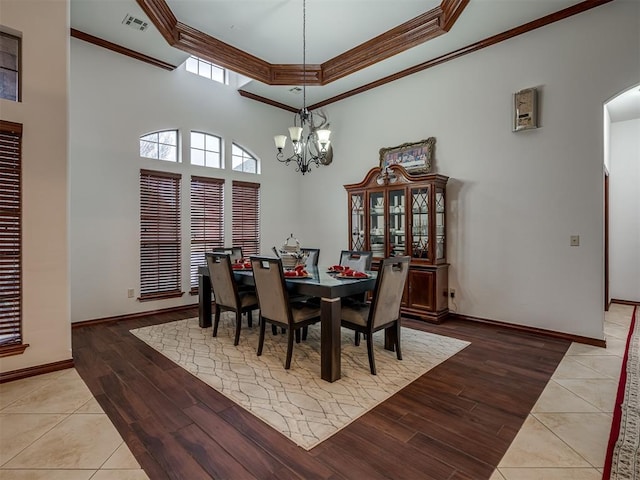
[216, 321]
[372, 361]
[274, 329]
[398, 352]
[297, 334]
[305, 330]
[238, 326]
[261, 338]
[249, 319]
[287, 363]
[356, 340]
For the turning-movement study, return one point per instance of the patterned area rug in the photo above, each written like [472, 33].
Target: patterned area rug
[297, 402]
[621, 462]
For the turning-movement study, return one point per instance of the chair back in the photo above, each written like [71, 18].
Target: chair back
[356, 260]
[223, 284]
[235, 253]
[313, 255]
[387, 294]
[271, 289]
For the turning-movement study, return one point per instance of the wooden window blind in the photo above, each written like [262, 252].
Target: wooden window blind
[245, 217]
[10, 239]
[207, 225]
[159, 235]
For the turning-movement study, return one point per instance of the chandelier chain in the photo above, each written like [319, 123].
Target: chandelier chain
[304, 54]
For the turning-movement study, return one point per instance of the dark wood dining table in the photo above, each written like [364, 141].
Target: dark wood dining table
[327, 286]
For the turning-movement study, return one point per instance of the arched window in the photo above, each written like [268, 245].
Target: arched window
[243, 161]
[161, 145]
[205, 150]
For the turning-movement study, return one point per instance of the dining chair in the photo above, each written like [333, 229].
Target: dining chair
[227, 295]
[275, 307]
[384, 310]
[359, 260]
[235, 253]
[356, 260]
[313, 255]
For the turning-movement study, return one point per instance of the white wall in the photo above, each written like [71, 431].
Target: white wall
[624, 207]
[514, 199]
[44, 26]
[116, 99]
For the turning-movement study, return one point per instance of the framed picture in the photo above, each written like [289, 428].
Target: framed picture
[414, 157]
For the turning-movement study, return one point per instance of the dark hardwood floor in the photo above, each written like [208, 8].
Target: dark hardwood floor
[454, 423]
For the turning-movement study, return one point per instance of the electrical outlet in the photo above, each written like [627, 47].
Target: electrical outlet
[130, 293]
[452, 292]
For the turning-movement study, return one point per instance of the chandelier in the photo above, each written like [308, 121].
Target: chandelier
[310, 141]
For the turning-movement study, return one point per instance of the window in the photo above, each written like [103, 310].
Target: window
[243, 161]
[245, 217]
[10, 239]
[206, 69]
[160, 145]
[205, 150]
[207, 227]
[9, 67]
[159, 235]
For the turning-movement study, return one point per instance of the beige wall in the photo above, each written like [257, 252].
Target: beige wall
[44, 27]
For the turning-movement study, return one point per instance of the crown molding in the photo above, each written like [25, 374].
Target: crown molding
[418, 30]
[120, 49]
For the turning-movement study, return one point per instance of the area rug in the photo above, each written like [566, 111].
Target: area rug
[621, 462]
[297, 402]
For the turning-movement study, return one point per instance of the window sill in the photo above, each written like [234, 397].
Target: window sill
[16, 349]
[159, 296]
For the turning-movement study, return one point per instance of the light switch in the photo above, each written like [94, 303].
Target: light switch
[574, 240]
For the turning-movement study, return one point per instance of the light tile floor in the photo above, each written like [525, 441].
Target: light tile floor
[566, 434]
[52, 428]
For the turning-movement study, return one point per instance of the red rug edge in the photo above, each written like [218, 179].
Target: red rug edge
[617, 413]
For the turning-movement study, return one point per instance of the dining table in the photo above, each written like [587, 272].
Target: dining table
[320, 283]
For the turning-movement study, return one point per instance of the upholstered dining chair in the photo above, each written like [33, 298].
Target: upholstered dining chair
[235, 253]
[313, 255]
[227, 295]
[356, 260]
[275, 307]
[384, 310]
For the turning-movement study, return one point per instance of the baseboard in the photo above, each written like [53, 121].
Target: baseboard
[37, 370]
[624, 302]
[130, 316]
[538, 331]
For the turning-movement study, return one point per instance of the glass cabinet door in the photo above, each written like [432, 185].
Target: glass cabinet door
[397, 223]
[357, 221]
[376, 223]
[420, 223]
[440, 226]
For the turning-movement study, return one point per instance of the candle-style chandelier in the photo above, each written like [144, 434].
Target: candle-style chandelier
[310, 141]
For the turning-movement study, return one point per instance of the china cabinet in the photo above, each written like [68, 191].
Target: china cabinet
[393, 213]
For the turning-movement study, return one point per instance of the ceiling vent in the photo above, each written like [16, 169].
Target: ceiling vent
[135, 23]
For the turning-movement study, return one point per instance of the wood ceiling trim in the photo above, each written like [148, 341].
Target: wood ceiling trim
[120, 49]
[506, 35]
[267, 101]
[414, 32]
[205, 46]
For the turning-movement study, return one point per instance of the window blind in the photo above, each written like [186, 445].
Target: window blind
[207, 226]
[10, 237]
[159, 235]
[245, 217]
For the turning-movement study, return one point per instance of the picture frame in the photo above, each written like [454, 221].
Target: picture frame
[415, 157]
[525, 109]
